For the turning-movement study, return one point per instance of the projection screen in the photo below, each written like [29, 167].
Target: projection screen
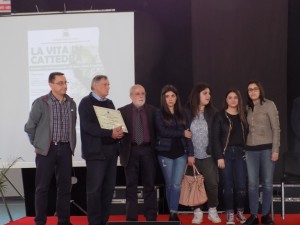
[80, 45]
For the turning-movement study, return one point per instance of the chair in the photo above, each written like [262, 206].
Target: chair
[290, 175]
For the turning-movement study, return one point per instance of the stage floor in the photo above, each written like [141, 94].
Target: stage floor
[290, 219]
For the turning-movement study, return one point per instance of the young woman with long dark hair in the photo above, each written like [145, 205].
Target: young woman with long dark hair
[200, 113]
[174, 145]
[229, 140]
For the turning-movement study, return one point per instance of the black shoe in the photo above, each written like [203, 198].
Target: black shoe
[173, 217]
[150, 219]
[131, 219]
[252, 220]
[267, 220]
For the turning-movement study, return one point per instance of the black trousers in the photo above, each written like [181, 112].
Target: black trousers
[59, 159]
[100, 185]
[208, 168]
[142, 161]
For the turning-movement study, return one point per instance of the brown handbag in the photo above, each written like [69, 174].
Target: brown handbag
[192, 189]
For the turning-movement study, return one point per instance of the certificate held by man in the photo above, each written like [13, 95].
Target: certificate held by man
[110, 118]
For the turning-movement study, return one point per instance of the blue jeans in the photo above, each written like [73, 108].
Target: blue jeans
[260, 163]
[234, 178]
[173, 170]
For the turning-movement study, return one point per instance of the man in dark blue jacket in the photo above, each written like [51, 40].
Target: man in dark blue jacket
[100, 148]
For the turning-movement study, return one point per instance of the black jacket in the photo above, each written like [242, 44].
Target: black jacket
[222, 127]
[126, 112]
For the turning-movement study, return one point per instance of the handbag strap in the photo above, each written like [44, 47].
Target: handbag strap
[195, 170]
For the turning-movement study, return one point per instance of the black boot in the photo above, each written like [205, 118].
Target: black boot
[173, 217]
[252, 220]
[267, 220]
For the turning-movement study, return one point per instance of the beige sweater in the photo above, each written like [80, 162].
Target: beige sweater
[264, 125]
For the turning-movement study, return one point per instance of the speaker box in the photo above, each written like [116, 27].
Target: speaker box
[145, 223]
[118, 206]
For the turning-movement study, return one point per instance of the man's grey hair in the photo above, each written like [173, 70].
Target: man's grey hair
[134, 87]
[96, 80]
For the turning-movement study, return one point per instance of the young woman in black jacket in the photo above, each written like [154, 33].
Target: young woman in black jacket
[229, 138]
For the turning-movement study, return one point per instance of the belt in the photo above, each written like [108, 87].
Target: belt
[60, 143]
[144, 144]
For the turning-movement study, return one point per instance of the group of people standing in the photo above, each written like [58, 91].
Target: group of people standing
[241, 144]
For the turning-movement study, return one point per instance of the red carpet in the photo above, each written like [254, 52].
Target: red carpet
[290, 219]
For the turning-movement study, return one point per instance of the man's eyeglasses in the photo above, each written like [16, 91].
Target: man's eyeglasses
[61, 83]
[253, 89]
[140, 93]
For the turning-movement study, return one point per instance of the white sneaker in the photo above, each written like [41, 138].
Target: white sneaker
[198, 217]
[213, 215]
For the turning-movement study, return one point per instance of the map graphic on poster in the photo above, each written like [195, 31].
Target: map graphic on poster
[74, 51]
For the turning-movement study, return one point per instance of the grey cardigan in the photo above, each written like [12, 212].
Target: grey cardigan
[40, 124]
[264, 125]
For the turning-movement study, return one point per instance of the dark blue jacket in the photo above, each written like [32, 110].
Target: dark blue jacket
[93, 137]
[167, 132]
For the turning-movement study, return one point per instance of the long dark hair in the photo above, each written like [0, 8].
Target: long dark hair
[240, 107]
[178, 112]
[261, 94]
[194, 100]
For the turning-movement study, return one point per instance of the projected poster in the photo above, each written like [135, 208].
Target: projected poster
[75, 52]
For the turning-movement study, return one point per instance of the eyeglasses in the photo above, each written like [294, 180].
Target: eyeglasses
[61, 83]
[253, 89]
[140, 93]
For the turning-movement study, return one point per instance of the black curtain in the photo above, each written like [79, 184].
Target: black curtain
[238, 41]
